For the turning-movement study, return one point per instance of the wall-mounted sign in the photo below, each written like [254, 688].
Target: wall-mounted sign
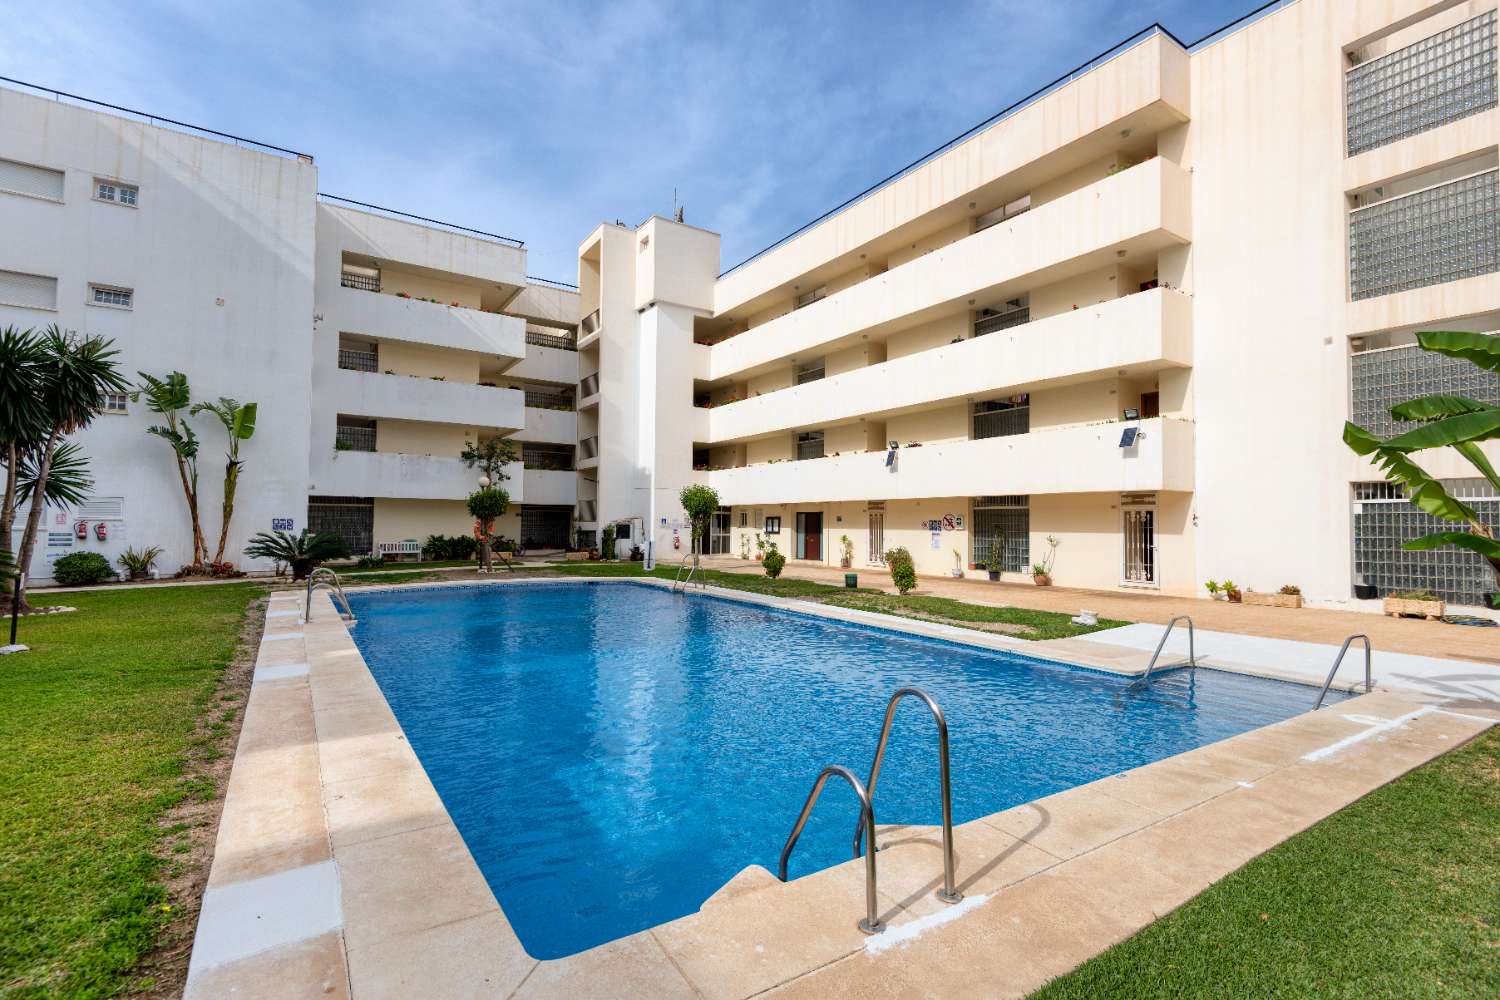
[282, 523]
[948, 522]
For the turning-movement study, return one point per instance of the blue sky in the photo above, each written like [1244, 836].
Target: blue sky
[540, 120]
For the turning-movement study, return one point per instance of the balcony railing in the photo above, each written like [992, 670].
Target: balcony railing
[1380, 379]
[549, 457]
[810, 447]
[589, 325]
[557, 341]
[549, 400]
[1438, 80]
[355, 438]
[1438, 234]
[364, 282]
[1002, 423]
[1006, 320]
[589, 447]
[589, 385]
[358, 361]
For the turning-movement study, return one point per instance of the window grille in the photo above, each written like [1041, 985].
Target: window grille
[546, 527]
[1380, 379]
[809, 445]
[551, 457]
[561, 342]
[24, 178]
[808, 298]
[1437, 80]
[1010, 517]
[356, 438]
[1443, 233]
[351, 518]
[543, 400]
[1002, 418]
[1384, 520]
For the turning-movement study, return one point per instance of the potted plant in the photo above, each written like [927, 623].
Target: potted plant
[1041, 573]
[1415, 602]
[846, 554]
[1213, 588]
[996, 561]
[1289, 596]
[760, 547]
[1231, 591]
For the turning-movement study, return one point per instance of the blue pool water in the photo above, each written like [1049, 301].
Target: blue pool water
[613, 753]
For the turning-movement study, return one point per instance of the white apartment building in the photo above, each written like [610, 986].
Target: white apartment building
[374, 345]
[1130, 314]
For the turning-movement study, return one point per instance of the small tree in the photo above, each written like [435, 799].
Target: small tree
[700, 503]
[490, 456]
[773, 562]
[239, 424]
[607, 542]
[903, 570]
[486, 505]
[171, 399]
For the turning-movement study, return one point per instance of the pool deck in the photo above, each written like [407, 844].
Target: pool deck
[338, 872]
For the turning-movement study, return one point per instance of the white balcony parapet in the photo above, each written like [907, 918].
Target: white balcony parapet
[1144, 209]
[550, 426]
[1145, 332]
[1084, 459]
[547, 364]
[409, 477]
[391, 317]
[404, 397]
[551, 488]
[469, 253]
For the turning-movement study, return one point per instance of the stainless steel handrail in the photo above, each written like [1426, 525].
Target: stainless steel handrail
[1369, 682]
[1192, 654]
[949, 892]
[314, 581]
[871, 924]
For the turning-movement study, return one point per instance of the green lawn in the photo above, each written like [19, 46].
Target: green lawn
[1396, 896]
[97, 722]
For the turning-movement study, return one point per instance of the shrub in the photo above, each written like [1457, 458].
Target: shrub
[1291, 590]
[607, 543]
[373, 562]
[78, 569]
[449, 547]
[300, 552]
[773, 562]
[224, 570]
[138, 563]
[1416, 595]
[903, 570]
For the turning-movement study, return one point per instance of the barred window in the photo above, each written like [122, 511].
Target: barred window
[1006, 519]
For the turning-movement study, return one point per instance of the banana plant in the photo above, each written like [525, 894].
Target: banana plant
[170, 397]
[239, 424]
[1455, 422]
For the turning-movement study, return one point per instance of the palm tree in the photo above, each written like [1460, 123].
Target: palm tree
[1455, 422]
[171, 398]
[20, 418]
[300, 552]
[239, 423]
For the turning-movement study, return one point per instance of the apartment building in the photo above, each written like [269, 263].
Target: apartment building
[1129, 315]
[374, 344]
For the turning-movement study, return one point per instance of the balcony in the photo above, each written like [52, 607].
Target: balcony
[551, 488]
[468, 254]
[391, 317]
[1085, 459]
[397, 476]
[358, 361]
[405, 397]
[1142, 333]
[1142, 210]
[552, 426]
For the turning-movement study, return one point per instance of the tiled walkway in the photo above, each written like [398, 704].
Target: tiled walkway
[1398, 635]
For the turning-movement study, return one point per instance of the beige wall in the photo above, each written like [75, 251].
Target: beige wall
[412, 437]
[927, 336]
[427, 362]
[1089, 403]
[946, 423]
[777, 448]
[933, 241]
[425, 286]
[398, 520]
[1078, 293]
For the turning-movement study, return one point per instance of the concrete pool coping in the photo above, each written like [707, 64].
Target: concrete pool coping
[338, 871]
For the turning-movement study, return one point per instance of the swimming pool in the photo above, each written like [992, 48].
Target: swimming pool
[613, 753]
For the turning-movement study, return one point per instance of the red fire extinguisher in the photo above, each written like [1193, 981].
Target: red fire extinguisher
[101, 531]
[81, 531]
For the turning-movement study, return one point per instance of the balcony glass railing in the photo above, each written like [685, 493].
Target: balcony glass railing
[589, 385]
[358, 361]
[589, 325]
[355, 438]
[1439, 234]
[1422, 86]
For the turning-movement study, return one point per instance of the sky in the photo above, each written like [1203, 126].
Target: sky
[540, 120]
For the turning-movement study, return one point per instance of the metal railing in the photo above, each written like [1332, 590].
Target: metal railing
[588, 385]
[319, 578]
[871, 922]
[1369, 680]
[552, 283]
[364, 282]
[508, 240]
[1192, 654]
[692, 570]
[356, 438]
[557, 341]
[549, 400]
[1004, 321]
[358, 361]
[589, 324]
[810, 448]
[1002, 423]
[589, 447]
[949, 893]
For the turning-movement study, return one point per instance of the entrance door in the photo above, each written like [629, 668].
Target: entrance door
[718, 534]
[876, 554]
[810, 535]
[1139, 523]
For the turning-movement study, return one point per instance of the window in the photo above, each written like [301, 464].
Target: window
[115, 402]
[809, 445]
[809, 371]
[33, 181]
[1005, 520]
[33, 291]
[109, 295]
[773, 525]
[744, 519]
[115, 192]
[808, 298]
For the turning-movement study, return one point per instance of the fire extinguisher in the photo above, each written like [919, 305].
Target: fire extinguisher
[101, 531]
[81, 531]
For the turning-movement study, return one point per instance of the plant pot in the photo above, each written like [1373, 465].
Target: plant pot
[1041, 579]
[1273, 600]
[994, 575]
[1399, 606]
[1232, 596]
[1366, 592]
[845, 563]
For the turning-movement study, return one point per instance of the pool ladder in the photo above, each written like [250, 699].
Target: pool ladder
[680, 581]
[319, 578]
[1369, 685]
[871, 923]
[1192, 654]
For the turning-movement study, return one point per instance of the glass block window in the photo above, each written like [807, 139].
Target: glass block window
[1440, 79]
[1009, 518]
[1383, 520]
[1443, 233]
[1378, 380]
[351, 518]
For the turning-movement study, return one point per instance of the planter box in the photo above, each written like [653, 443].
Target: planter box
[1398, 606]
[574, 556]
[1272, 600]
